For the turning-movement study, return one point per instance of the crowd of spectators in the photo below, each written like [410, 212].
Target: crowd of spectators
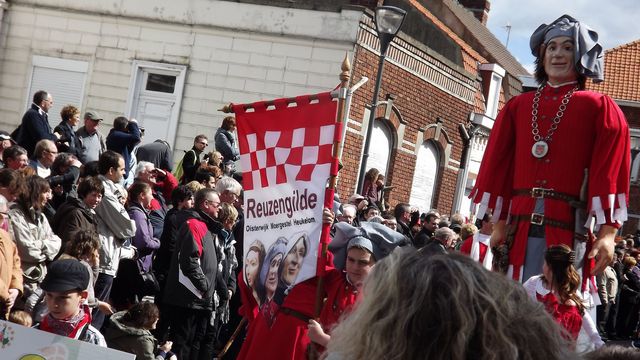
[103, 240]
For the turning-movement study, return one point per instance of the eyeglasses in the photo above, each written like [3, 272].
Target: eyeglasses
[215, 204]
[203, 143]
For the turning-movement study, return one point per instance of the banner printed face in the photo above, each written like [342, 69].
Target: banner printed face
[286, 156]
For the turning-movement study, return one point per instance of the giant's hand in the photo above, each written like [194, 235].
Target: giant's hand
[603, 248]
[499, 234]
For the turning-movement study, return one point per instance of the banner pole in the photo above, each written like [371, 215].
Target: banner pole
[329, 192]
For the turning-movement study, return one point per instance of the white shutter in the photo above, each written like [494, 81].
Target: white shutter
[63, 79]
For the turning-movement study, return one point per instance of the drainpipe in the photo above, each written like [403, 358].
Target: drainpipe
[463, 171]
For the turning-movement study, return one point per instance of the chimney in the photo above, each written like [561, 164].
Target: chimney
[479, 8]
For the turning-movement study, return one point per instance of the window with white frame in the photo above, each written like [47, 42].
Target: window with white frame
[380, 150]
[635, 155]
[64, 79]
[425, 176]
[495, 82]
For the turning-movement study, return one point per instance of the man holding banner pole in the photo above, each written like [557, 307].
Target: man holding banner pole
[287, 155]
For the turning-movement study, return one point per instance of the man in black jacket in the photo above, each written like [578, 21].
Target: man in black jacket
[402, 212]
[191, 160]
[35, 123]
[193, 277]
[443, 240]
[429, 227]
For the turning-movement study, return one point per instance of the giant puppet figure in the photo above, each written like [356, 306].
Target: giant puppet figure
[556, 168]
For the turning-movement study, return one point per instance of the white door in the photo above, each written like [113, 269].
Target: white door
[154, 115]
[154, 99]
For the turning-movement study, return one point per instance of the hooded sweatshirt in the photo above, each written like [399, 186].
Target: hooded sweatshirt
[130, 339]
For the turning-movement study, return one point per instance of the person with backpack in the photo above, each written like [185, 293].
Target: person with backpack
[186, 169]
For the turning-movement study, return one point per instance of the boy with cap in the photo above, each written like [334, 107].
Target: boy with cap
[65, 294]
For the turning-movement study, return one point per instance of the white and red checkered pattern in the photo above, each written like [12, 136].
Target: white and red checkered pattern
[277, 157]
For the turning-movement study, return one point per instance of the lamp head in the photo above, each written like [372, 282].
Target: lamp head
[388, 20]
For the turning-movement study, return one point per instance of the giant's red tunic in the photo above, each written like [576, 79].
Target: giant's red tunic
[593, 134]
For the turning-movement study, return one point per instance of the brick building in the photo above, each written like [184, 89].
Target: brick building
[445, 78]
[622, 66]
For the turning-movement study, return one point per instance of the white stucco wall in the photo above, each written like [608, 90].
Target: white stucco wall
[233, 52]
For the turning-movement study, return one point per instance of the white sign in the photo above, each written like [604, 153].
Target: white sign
[18, 342]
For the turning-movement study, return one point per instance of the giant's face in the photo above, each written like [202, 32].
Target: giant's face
[559, 61]
[293, 262]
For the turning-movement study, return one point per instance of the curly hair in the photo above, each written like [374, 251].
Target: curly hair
[83, 243]
[68, 112]
[444, 307]
[565, 279]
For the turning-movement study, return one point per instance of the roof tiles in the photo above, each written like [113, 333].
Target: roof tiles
[621, 73]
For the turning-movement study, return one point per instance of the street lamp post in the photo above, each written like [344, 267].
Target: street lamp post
[388, 21]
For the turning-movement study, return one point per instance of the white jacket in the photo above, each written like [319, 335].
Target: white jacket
[114, 228]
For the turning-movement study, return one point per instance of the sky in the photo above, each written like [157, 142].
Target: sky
[615, 21]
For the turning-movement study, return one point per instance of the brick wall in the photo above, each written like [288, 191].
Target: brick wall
[633, 117]
[632, 224]
[420, 104]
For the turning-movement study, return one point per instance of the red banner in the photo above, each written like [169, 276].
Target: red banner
[286, 158]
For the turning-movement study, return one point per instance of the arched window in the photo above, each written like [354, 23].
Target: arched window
[424, 177]
[635, 165]
[380, 148]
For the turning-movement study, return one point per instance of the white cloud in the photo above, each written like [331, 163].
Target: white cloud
[615, 21]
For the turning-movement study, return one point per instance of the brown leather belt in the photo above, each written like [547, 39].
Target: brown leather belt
[540, 219]
[295, 314]
[543, 193]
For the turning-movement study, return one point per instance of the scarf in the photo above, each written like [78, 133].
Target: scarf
[478, 238]
[67, 327]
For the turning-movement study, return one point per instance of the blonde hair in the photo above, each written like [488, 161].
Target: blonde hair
[467, 230]
[227, 212]
[444, 307]
[194, 186]
[20, 317]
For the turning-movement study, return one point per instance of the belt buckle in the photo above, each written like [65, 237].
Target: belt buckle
[538, 192]
[537, 219]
